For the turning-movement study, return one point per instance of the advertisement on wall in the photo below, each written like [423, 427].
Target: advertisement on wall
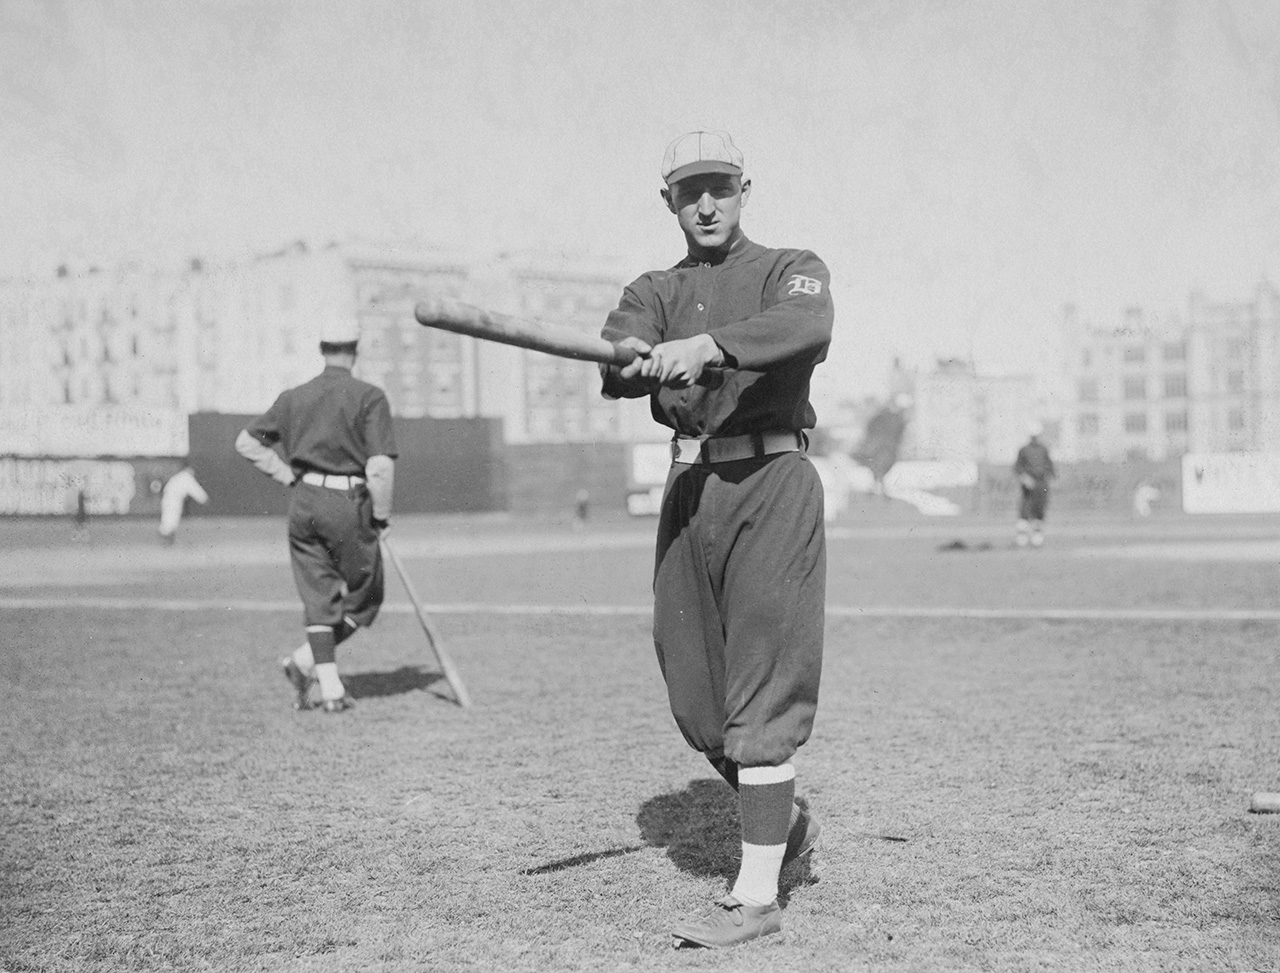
[1231, 483]
[55, 486]
[99, 430]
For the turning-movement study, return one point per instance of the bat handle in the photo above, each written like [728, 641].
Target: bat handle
[624, 355]
[712, 378]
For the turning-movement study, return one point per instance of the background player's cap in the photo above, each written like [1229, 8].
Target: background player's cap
[698, 152]
[340, 330]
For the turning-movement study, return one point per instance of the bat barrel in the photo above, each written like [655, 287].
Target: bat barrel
[507, 329]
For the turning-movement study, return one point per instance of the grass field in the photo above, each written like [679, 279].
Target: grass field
[1023, 760]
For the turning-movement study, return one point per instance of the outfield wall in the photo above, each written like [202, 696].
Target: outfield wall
[463, 466]
[546, 478]
[1084, 486]
[445, 466]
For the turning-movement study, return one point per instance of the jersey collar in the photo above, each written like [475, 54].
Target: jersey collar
[739, 249]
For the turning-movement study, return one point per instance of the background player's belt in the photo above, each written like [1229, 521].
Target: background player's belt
[726, 449]
[332, 480]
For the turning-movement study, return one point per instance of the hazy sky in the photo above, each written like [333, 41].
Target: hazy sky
[965, 167]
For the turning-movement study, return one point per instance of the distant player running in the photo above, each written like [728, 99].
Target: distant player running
[1034, 469]
[335, 431]
[178, 489]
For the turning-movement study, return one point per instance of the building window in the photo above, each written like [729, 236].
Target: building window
[1135, 354]
[1235, 349]
[1087, 424]
[1135, 422]
[1175, 351]
[1235, 419]
[1175, 421]
[1135, 387]
[1088, 390]
[1235, 381]
[1175, 386]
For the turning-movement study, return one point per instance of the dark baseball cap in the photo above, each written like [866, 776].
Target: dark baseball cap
[697, 152]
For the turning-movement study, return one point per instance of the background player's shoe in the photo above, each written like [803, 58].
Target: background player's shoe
[340, 705]
[801, 839]
[300, 681]
[729, 924]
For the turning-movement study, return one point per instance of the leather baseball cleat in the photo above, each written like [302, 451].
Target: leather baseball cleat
[337, 705]
[801, 839]
[729, 924]
[301, 683]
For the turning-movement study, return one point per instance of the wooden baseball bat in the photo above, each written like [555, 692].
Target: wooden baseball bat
[554, 339]
[433, 640]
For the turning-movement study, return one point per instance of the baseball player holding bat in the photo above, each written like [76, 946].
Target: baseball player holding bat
[336, 436]
[740, 568]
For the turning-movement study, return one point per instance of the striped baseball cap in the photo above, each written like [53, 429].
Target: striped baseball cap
[697, 152]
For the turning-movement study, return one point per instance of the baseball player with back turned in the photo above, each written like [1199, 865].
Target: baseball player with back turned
[728, 340]
[335, 433]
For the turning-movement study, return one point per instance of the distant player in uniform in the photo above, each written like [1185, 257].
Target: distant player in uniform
[336, 436]
[882, 440]
[1034, 469]
[729, 338]
[180, 487]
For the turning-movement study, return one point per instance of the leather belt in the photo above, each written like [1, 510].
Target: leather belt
[333, 481]
[726, 449]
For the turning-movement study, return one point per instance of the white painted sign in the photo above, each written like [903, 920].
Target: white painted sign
[53, 486]
[86, 431]
[650, 463]
[1231, 483]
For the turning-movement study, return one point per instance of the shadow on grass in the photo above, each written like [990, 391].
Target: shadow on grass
[406, 679]
[700, 828]
[576, 860]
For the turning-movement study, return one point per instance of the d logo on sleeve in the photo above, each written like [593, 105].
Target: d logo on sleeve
[803, 285]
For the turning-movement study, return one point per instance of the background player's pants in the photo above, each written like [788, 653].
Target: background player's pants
[333, 547]
[739, 605]
[171, 510]
[1034, 502]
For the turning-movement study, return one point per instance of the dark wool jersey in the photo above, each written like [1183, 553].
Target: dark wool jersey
[770, 312]
[1033, 459]
[331, 424]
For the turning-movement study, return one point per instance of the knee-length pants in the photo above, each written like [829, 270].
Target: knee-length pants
[739, 604]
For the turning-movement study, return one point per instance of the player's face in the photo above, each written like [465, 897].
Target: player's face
[709, 208]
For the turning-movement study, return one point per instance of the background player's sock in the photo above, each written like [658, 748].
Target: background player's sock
[330, 685]
[303, 659]
[322, 644]
[767, 796]
[344, 630]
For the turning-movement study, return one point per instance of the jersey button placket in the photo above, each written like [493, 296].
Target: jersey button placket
[704, 284]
